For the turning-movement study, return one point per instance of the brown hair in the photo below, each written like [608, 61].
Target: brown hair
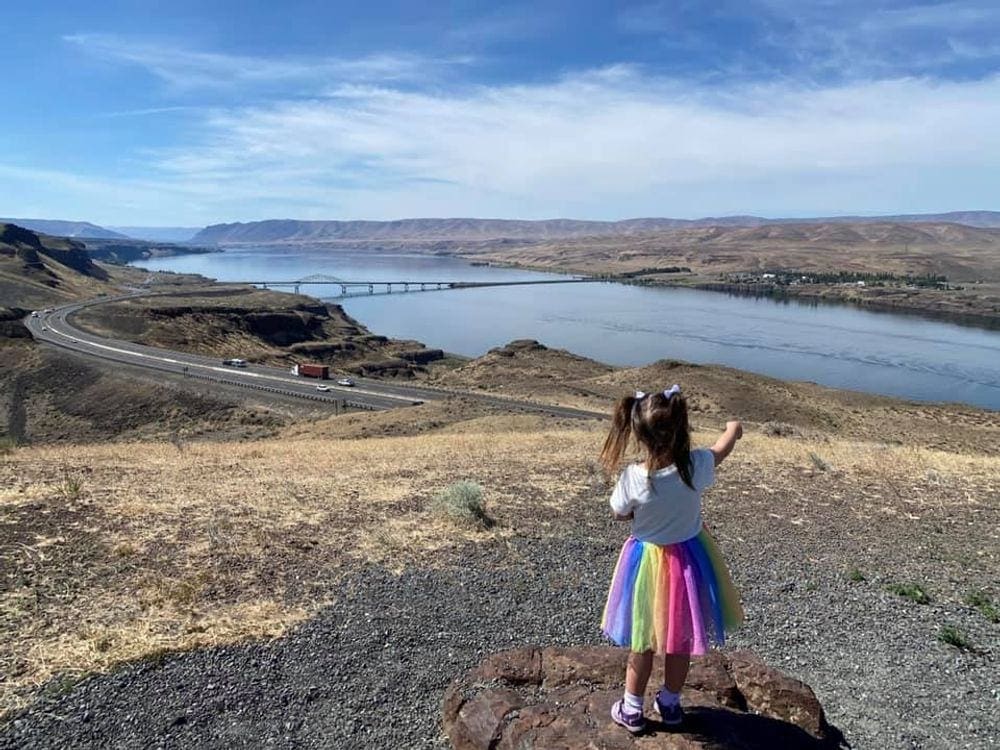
[659, 424]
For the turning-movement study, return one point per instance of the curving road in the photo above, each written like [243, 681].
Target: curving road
[54, 327]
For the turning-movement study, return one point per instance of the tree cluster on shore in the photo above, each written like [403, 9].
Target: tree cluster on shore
[859, 278]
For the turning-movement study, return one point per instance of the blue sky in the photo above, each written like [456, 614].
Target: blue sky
[190, 113]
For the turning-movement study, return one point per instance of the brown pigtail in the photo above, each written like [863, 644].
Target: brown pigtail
[618, 438]
[680, 443]
[662, 429]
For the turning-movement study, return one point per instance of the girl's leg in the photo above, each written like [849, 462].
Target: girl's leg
[640, 666]
[675, 671]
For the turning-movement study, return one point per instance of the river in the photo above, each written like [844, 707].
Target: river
[839, 346]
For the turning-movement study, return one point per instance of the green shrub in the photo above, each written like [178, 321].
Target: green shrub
[911, 591]
[981, 601]
[463, 502]
[7, 445]
[819, 462]
[954, 637]
[72, 487]
[855, 575]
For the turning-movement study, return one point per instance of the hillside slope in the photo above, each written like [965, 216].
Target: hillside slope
[37, 270]
[159, 234]
[959, 252]
[470, 229]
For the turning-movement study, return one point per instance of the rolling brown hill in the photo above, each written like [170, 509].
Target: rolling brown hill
[469, 229]
[37, 270]
[959, 252]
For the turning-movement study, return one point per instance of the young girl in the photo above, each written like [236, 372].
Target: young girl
[671, 593]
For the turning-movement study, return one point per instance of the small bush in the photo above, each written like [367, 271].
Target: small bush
[819, 462]
[855, 575]
[780, 429]
[981, 601]
[7, 445]
[911, 591]
[72, 487]
[177, 441]
[954, 637]
[463, 501]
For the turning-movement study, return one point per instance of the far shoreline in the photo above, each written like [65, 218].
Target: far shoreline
[987, 321]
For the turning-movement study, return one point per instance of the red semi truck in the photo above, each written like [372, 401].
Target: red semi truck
[312, 371]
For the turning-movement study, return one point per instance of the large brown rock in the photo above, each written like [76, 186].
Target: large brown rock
[560, 698]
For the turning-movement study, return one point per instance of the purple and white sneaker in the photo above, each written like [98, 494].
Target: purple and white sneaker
[671, 713]
[633, 721]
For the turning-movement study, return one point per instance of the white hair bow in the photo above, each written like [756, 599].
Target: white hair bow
[673, 390]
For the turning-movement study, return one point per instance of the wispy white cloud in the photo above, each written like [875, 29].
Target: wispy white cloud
[948, 17]
[184, 69]
[842, 40]
[504, 23]
[149, 111]
[607, 143]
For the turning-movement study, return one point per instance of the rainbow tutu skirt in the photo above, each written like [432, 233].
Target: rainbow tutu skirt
[671, 599]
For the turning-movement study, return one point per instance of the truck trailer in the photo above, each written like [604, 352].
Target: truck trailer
[311, 371]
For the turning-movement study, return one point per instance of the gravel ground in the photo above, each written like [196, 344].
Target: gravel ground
[370, 670]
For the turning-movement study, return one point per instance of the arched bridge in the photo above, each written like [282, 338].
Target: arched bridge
[350, 288]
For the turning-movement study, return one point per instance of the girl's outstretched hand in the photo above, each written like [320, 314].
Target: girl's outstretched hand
[736, 426]
[727, 440]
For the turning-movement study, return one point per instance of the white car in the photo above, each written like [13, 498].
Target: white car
[234, 362]
[346, 382]
[323, 388]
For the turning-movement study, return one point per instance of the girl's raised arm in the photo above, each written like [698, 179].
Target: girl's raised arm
[727, 441]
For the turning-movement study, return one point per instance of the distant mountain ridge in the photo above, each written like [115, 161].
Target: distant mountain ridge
[294, 230]
[60, 228]
[158, 234]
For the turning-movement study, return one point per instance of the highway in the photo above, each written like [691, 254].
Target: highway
[54, 327]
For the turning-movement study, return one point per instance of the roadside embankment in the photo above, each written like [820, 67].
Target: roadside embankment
[259, 326]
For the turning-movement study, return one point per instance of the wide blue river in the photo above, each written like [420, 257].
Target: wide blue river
[840, 346]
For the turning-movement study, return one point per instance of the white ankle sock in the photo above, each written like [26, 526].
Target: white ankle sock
[669, 697]
[633, 702]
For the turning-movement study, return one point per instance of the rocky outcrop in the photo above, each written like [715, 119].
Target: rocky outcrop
[28, 246]
[12, 323]
[123, 252]
[422, 356]
[561, 698]
[518, 346]
[275, 327]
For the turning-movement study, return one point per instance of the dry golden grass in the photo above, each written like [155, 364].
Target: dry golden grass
[120, 551]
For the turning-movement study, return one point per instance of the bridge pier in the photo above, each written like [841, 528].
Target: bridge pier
[343, 289]
[406, 287]
[423, 287]
[371, 289]
[296, 288]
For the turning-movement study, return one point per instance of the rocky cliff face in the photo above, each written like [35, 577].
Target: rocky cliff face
[29, 246]
[297, 325]
[11, 325]
[277, 334]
